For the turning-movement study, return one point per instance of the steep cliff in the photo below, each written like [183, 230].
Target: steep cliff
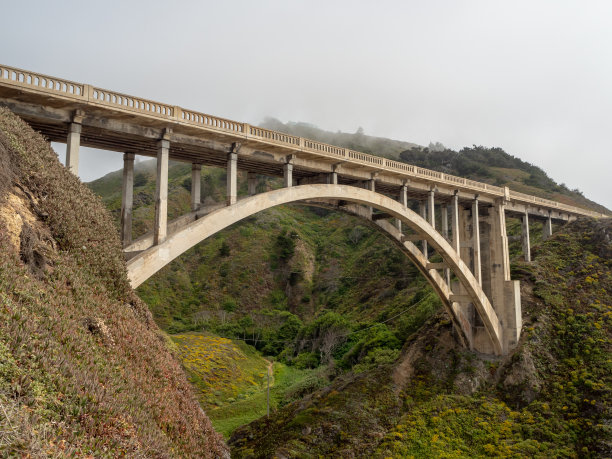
[84, 370]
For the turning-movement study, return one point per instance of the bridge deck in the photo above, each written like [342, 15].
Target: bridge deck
[124, 123]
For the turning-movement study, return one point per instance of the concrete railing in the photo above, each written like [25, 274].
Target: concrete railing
[114, 100]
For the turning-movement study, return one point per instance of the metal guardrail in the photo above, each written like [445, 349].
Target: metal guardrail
[111, 99]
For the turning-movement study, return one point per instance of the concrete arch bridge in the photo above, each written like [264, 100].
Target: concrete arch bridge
[482, 300]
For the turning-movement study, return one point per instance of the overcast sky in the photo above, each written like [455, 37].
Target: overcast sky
[533, 77]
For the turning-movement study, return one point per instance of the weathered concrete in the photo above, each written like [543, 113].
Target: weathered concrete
[232, 178]
[431, 208]
[423, 214]
[403, 199]
[525, 237]
[288, 173]
[150, 261]
[72, 148]
[127, 198]
[196, 183]
[160, 226]
[252, 183]
[444, 224]
[456, 241]
[476, 241]
[547, 228]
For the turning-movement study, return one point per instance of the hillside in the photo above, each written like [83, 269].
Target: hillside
[359, 141]
[550, 398]
[489, 165]
[84, 370]
[319, 291]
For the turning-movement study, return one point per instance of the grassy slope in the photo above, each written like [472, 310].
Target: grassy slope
[334, 260]
[550, 398]
[231, 378]
[84, 371]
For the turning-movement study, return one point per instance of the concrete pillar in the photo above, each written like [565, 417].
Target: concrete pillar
[476, 241]
[288, 173]
[252, 183]
[444, 223]
[196, 183]
[444, 220]
[403, 199]
[547, 228]
[431, 208]
[232, 178]
[73, 143]
[127, 199]
[423, 213]
[503, 293]
[370, 185]
[456, 243]
[160, 228]
[525, 238]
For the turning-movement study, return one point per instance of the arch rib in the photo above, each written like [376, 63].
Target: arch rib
[147, 263]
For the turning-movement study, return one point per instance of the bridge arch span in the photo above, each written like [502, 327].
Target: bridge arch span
[148, 262]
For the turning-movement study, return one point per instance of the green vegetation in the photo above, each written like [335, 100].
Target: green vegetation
[285, 381]
[550, 398]
[495, 166]
[84, 371]
[341, 311]
[231, 379]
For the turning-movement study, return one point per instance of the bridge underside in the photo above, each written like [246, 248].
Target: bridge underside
[104, 129]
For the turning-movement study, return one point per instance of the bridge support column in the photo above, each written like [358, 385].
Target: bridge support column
[444, 223]
[547, 228]
[288, 173]
[232, 178]
[332, 177]
[503, 293]
[525, 237]
[72, 148]
[423, 214]
[431, 208]
[455, 242]
[127, 199]
[462, 243]
[196, 183]
[476, 241]
[403, 199]
[252, 183]
[371, 185]
[160, 229]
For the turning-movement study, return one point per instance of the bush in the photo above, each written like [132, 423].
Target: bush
[376, 358]
[306, 360]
